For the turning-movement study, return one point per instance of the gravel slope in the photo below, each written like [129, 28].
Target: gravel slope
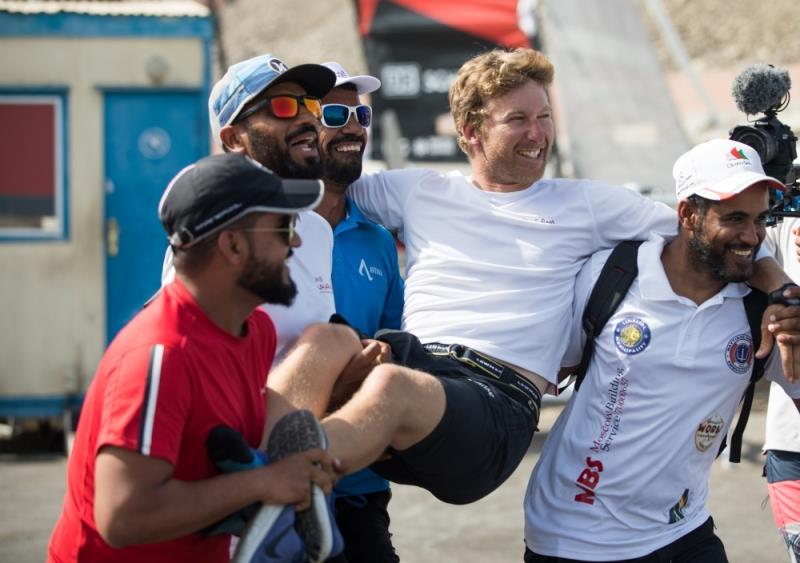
[714, 32]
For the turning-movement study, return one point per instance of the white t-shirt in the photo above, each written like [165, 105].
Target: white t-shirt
[783, 420]
[625, 468]
[495, 271]
[310, 268]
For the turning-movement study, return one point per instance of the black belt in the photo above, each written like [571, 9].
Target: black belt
[518, 386]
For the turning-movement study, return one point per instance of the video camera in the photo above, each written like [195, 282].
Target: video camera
[764, 89]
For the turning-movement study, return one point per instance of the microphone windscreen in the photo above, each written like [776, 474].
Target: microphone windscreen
[760, 87]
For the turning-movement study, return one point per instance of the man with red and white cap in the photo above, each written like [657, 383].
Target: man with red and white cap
[624, 472]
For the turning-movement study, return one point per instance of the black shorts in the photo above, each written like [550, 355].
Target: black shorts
[701, 545]
[480, 440]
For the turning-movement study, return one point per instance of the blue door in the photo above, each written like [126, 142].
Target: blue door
[149, 137]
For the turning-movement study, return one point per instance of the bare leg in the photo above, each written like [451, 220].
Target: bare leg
[304, 379]
[395, 406]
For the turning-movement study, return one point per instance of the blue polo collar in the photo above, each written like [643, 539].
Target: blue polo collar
[352, 219]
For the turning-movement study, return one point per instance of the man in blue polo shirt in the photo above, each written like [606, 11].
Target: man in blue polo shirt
[367, 290]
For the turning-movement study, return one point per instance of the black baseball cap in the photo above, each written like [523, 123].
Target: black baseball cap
[217, 190]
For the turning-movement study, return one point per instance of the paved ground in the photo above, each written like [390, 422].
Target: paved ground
[426, 530]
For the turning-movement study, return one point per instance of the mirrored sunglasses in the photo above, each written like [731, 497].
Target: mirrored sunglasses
[284, 106]
[337, 115]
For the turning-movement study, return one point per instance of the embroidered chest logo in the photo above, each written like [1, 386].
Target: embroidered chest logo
[739, 353]
[631, 336]
[707, 432]
[369, 271]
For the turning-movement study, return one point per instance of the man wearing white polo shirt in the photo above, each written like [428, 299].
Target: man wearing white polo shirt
[623, 475]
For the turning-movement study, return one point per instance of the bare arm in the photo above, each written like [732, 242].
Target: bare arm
[137, 501]
[374, 353]
[768, 276]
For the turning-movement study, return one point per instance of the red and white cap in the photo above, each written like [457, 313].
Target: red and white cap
[719, 169]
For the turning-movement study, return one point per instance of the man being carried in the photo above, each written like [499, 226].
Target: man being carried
[492, 261]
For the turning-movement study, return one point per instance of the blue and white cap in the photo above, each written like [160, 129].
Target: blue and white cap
[245, 80]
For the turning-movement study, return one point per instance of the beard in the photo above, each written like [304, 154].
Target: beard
[343, 168]
[268, 152]
[704, 256]
[505, 167]
[266, 282]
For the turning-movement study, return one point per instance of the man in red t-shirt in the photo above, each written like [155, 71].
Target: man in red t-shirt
[140, 482]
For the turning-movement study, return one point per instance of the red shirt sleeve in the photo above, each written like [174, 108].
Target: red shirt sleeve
[147, 401]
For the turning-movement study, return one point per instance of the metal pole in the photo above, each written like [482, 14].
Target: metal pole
[681, 58]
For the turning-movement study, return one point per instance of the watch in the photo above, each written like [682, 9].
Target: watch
[776, 297]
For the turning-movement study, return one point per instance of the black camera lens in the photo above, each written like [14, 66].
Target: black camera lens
[765, 144]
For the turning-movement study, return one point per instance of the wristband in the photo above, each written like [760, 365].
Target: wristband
[776, 297]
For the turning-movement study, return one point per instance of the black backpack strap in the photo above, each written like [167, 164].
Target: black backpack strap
[754, 304]
[615, 279]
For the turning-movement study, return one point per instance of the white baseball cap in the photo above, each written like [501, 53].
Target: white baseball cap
[719, 169]
[364, 83]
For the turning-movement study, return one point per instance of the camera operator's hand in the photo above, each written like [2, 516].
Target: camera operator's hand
[781, 324]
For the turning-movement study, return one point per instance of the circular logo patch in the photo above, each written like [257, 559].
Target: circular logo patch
[707, 432]
[739, 353]
[631, 335]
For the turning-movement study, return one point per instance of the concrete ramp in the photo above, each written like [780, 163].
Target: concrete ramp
[615, 110]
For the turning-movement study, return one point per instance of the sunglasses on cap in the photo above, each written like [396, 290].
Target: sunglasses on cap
[283, 106]
[337, 115]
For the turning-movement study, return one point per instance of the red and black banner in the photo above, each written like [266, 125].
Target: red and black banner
[416, 47]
